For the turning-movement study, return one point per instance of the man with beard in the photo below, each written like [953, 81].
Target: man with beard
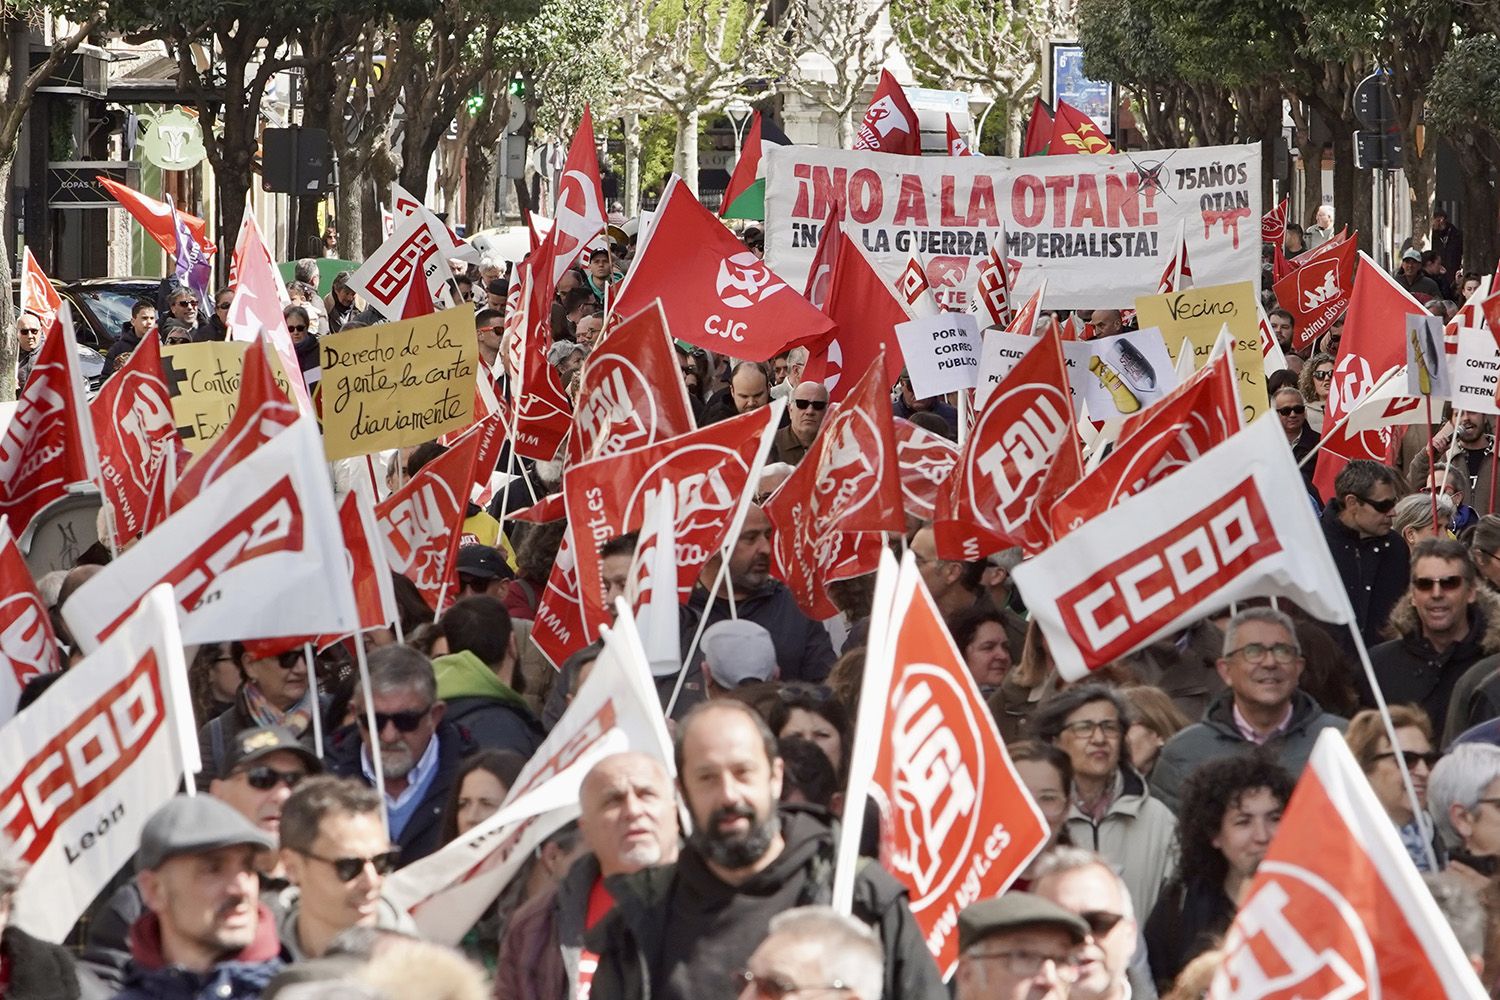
[679, 932]
[420, 753]
[1468, 436]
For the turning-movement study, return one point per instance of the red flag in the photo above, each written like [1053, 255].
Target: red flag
[49, 442]
[1337, 909]
[261, 412]
[558, 629]
[1022, 449]
[720, 297]
[957, 145]
[543, 411]
[821, 272]
[259, 296]
[630, 394]
[865, 312]
[1273, 224]
[164, 478]
[951, 834]
[1316, 291]
[156, 216]
[889, 125]
[1075, 132]
[27, 645]
[578, 215]
[133, 424]
[1038, 129]
[38, 296]
[1178, 272]
[710, 469]
[1200, 413]
[995, 285]
[848, 481]
[419, 297]
[1280, 266]
[926, 461]
[746, 168]
[1373, 343]
[421, 523]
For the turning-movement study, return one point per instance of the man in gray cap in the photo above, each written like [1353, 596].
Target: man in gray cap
[736, 652]
[206, 933]
[1017, 947]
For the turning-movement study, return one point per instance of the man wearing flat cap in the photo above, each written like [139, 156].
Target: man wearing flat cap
[206, 933]
[1017, 947]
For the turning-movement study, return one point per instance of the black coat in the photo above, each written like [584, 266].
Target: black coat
[804, 652]
[38, 970]
[1412, 672]
[1187, 920]
[1374, 571]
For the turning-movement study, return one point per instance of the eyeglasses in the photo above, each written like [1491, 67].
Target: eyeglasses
[1025, 964]
[263, 778]
[193, 303]
[1379, 506]
[818, 405]
[1085, 728]
[405, 722]
[1485, 552]
[301, 328]
[349, 869]
[689, 370]
[772, 988]
[1428, 584]
[1413, 758]
[221, 307]
[1287, 411]
[29, 329]
[1101, 922]
[1257, 652]
[1323, 376]
[174, 341]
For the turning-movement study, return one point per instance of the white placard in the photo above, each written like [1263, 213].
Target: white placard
[1476, 369]
[1426, 361]
[1121, 375]
[941, 352]
[997, 356]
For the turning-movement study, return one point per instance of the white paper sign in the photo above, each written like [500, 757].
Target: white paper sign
[941, 352]
[1426, 361]
[1476, 369]
[1121, 375]
[997, 356]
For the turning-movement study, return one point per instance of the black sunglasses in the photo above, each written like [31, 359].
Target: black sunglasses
[1427, 584]
[186, 302]
[1413, 758]
[1380, 506]
[1101, 922]
[296, 329]
[818, 405]
[405, 722]
[1287, 411]
[174, 341]
[1323, 376]
[349, 869]
[263, 778]
[221, 307]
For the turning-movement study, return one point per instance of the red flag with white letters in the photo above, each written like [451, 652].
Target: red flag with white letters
[421, 523]
[993, 298]
[1336, 908]
[1273, 224]
[849, 481]
[542, 410]
[950, 832]
[1021, 451]
[926, 461]
[865, 312]
[579, 215]
[1317, 290]
[558, 629]
[889, 124]
[720, 297]
[27, 645]
[135, 429]
[259, 295]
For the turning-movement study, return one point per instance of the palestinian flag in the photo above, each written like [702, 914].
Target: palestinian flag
[1038, 129]
[745, 198]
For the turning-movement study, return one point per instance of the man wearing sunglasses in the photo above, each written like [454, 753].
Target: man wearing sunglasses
[1371, 558]
[1447, 640]
[1111, 963]
[1263, 709]
[337, 854]
[809, 407]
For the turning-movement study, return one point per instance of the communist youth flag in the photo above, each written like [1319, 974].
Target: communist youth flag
[156, 216]
[957, 823]
[1273, 224]
[1374, 342]
[889, 125]
[133, 424]
[865, 312]
[720, 297]
[421, 523]
[1021, 451]
[957, 145]
[1075, 132]
[1337, 908]
[849, 480]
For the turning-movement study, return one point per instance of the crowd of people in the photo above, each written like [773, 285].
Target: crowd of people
[1162, 779]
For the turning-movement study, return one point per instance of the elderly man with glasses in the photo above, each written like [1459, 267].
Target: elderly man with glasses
[1263, 709]
[1018, 947]
[809, 407]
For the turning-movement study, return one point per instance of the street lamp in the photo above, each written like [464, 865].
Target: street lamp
[738, 113]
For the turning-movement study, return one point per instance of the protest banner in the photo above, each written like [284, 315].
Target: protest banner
[398, 384]
[1427, 372]
[1198, 314]
[941, 352]
[1098, 229]
[84, 767]
[1476, 371]
[204, 382]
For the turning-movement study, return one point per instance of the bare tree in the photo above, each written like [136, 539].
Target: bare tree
[844, 47]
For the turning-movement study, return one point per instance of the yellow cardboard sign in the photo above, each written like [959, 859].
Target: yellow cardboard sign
[1197, 315]
[398, 384]
[204, 381]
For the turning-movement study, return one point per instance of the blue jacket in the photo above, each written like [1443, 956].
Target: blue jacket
[241, 978]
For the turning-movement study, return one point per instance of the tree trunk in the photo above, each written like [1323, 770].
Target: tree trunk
[1480, 205]
[350, 208]
[632, 133]
[686, 160]
[1420, 167]
[479, 186]
[7, 310]
[846, 129]
[1343, 175]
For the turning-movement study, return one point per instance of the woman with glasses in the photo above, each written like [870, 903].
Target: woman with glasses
[1230, 810]
[1463, 796]
[299, 325]
[1372, 748]
[1315, 383]
[1112, 811]
[274, 691]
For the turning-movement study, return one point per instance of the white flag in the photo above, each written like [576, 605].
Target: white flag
[1235, 523]
[385, 278]
[651, 588]
[84, 767]
[615, 710]
[1388, 405]
[253, 556]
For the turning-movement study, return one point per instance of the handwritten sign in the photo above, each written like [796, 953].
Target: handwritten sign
[398, 384]
[1197, 314]
[204, 380]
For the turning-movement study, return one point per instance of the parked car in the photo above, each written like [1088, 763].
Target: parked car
[100, 307]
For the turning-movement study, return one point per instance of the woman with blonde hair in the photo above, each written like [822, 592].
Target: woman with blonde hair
[1315, 382]
[1157, 719]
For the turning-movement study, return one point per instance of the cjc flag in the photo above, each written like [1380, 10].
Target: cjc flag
[1337, 909]
[889, 125]
[1234, 523]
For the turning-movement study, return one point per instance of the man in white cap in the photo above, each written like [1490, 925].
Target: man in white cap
[736, 652]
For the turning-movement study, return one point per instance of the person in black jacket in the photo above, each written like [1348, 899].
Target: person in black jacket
[30, 968]
[1230, 810]
[1371, 558]
[677, 932]
[142, 324]
[420, 752]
